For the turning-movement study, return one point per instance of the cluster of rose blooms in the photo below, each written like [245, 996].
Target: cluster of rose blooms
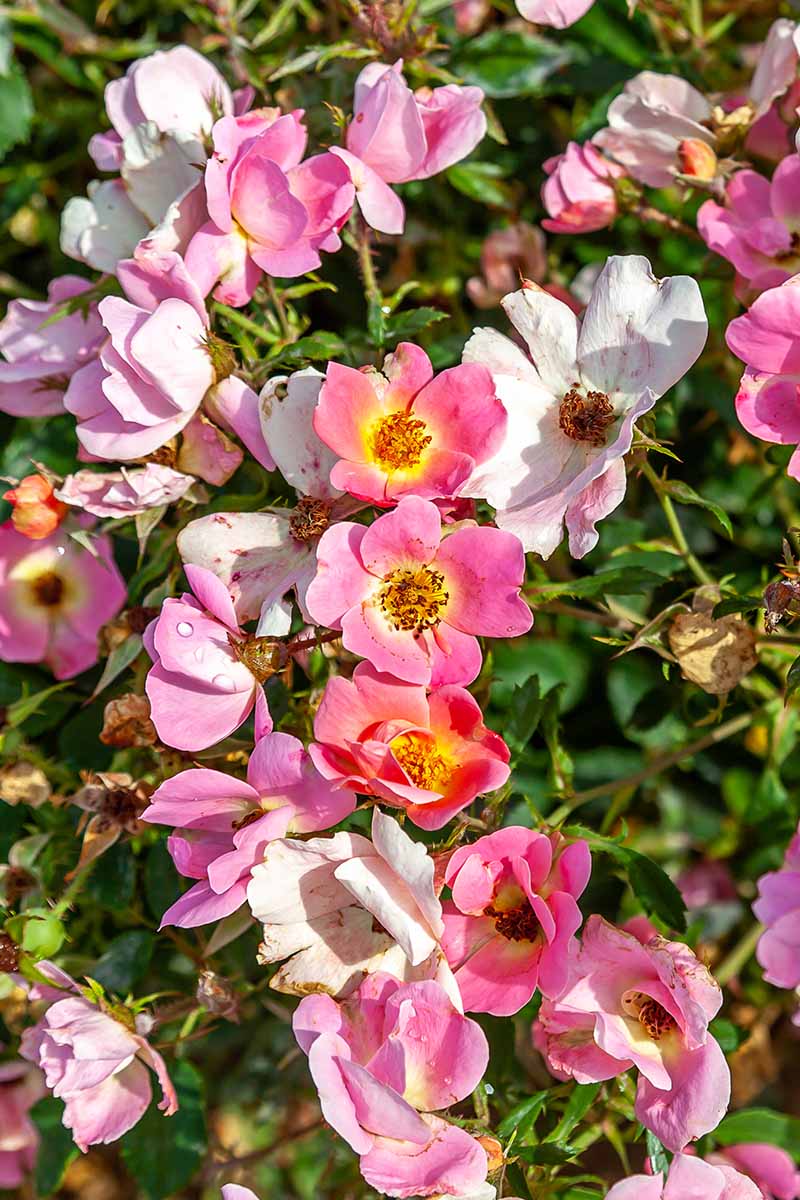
[207, 196]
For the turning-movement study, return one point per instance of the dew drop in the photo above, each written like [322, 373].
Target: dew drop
[224, 683]
[185, 629]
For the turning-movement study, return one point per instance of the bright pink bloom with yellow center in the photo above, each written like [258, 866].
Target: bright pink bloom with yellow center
[384, 1061]
[513, 916]
[402, 431]
[54, 596]
[429, 754]
[412, 602]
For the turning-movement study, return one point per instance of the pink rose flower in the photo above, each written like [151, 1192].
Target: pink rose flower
[410, 601]
[234, 1191]
[778, 907]
[343, 907]
[54, 597]
[383, 1062]
[224, 823]
[573, 397]
[124, 493]
[506, 254]
[776, 65]
[688, 1177]
[93, 1061]
[645, 1006]
[397, 135]
[513, 916]
[207, 674]
[404, 431]
[20, 1087]
[648, 122]
[765, 337]
[579, 193]
[772, 1170]
[755, 229]
[155, 369]
[268, 210]
[429, 754]
[705, 883]
[40, 358]
[557, 13]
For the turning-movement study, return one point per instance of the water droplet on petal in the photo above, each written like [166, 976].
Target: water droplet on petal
[224, 683]
[184, 628]
[61, 549]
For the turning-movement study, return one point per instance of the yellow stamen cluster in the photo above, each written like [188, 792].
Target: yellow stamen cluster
[413, 599]
[425, 766]
[398, 441]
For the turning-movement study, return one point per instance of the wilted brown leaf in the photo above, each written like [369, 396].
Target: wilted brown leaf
[715, 655]
[126, 722]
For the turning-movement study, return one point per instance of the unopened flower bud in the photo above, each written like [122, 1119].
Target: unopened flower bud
[36, 513]
[697, 159]
[494, 1152]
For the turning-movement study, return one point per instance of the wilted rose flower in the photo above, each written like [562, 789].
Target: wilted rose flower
[126, 492]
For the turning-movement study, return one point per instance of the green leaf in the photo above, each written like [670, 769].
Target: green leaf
[512, 64]
[580, 1101]
[677, 490]
[481, 181]
[408, 324]
[736, 604]
[125, 961]
[56, 1149]
[317, 346]
[161, 885]
[618, 581]
[120, 657]
[524, 714]
[27, 705]
[163, 1153]
[113, 878]
[546, 1154]
[654, 888]
[659, 1159]
[792, 679]
[16, 109]
[729, 1036]
[760, 1125]
[600, 29]
[523, 1116]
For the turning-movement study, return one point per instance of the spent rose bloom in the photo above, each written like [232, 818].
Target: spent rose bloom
[573, 396]
[124, 493]
[506, 254]
[688, 1178]
[20, 1087]
[628, 1004]
[410, 601]
[579, 192]
[154, 370]
[756, 229]
[778, 907]
[207, 674]
[513, 916]
[428, 753]
[648, 122]
[343, 907]
[40, 358]
[223, 823]
[97, 1064]
[397, 135]
[269, 211]
[765, 337]
[772, 1170]
[54, 597]
[37, 511]
[383, 1061]
[403, 431]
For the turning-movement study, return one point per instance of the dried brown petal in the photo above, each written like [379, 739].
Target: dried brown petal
[715, 655]
[126, 722]
[24, 783]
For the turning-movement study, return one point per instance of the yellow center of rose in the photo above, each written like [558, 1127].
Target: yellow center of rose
[585, 417]
[652, 1016]
[413, 599]
[422, 761]
[397, 442]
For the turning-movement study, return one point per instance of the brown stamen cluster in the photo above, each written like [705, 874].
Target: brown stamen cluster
[398, 441]
[263, 656]
[651, 1015]
[413, 599]
[422, 762]
[48, 589]
[585, 417]
[310, 519]
[516, 924]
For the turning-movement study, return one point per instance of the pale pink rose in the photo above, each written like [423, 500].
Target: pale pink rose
[155, 369]
[470, 15]
[756, 229]
[513, 916]
[54, 597]
[403, 431]
[771, 1169]
[124, 493]
[765, 337]
[342, 907]
[410, 601]
[223, 823]
[645, 1006]
[208, 452]
[234, 1191]
[706, 882]
[573, 397]
[269, 211]
[397, 135]
[778, 907]
[579, 194]
[648, 122]
[41, 359]
[557, 13]
[383, 1061]
[506, 255]
[20, 1087]
[776, 67]
[689, 1178]
[200, 686]
[96, 1064]
[429, 754]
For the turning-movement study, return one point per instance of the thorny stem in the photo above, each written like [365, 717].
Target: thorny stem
[71, 892]
[693, 563]
[646, 212]
[739, 955]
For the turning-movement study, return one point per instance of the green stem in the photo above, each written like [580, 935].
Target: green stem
[741, 953]
[366, 265]
[693, 563]
[232, 314]
[280, 311]
[72, 890]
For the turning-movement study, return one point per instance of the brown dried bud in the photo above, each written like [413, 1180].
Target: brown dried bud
[217, 996]
[697, 159]
[126, 722]
[24, 783]
[263, 656]
[9, 954]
